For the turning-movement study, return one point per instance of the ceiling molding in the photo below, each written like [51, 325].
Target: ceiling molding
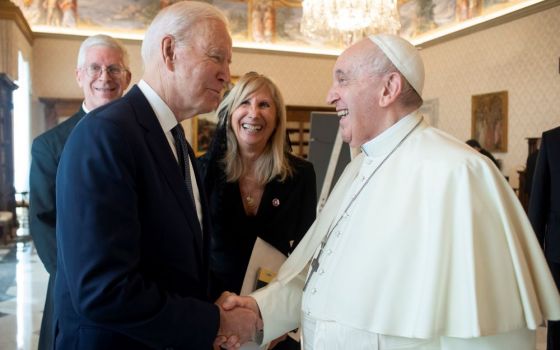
[506, 18]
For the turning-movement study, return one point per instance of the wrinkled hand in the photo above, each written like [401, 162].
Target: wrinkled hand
[238, 324]
[231, 301]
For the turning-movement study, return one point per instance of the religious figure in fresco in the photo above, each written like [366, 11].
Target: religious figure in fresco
[269, 22]
[257, 24]
[263, 21]
[53, 12]
[32, 10]
[467, 9]
[69, 13]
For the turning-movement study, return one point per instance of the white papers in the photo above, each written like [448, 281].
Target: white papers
[264, 256]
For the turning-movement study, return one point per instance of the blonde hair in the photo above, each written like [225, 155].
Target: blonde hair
[273, 161]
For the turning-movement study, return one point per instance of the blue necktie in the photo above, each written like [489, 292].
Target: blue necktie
[183, 155]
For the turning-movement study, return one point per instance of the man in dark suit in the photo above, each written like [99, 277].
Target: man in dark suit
[530, 171]
[132, 223]
[100, 86]
[544, 213]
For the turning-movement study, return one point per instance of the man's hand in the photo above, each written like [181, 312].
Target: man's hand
[238, 324]
[231, 301]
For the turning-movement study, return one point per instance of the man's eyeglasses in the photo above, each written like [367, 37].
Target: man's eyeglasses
[96, 70]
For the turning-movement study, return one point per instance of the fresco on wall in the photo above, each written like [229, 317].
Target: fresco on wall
[421, 17]
[259, 22]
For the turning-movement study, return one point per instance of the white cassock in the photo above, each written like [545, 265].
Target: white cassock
[435, 252]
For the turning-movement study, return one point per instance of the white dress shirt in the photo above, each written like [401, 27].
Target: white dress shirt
[168, 121]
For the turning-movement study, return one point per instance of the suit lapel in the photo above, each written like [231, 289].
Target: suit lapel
[205, 234]
[159, 146]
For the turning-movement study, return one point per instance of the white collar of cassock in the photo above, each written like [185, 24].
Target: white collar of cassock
[388, 139]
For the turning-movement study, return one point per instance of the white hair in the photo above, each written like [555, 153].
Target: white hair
[101, 40]
[176, 20]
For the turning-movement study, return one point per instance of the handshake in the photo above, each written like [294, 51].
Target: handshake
[240, 321]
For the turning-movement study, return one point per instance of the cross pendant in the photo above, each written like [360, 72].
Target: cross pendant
[315, 264]
[314, 267]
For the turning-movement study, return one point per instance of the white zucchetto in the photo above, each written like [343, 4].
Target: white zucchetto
[404, 56]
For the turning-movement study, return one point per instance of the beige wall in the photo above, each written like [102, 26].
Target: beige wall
[520, 57]
[54, 64]
[304, 80]
[12, 40]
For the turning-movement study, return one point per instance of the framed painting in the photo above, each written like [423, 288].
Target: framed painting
[490, 120]
[203, 128]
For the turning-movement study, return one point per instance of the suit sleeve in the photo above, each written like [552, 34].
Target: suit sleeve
[539, 202]
[100, 236]
[42, 208]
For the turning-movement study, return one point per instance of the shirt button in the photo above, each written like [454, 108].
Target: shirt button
[329, 252]
[321, 271]
[338, 233]
[314, 291]
[308, 312]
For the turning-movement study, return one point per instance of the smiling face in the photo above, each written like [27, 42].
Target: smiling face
[254, 120]
[200, 70]
[102, 88]
[355, 94]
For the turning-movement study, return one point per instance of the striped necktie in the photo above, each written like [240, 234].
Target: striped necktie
[183, 155]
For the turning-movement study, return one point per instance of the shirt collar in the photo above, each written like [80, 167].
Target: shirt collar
[164, 114]
[84, 107]
[389, 138]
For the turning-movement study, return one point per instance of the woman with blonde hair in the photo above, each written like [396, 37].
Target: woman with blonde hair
[255, 186]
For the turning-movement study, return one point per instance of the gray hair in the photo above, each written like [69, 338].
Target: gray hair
[379, 64]
[176, 20]
[101, 40]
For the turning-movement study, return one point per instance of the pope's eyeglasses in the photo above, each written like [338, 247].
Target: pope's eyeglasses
[95, 70]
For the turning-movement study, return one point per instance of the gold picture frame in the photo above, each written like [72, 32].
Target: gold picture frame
[490, 120]
[204, 127]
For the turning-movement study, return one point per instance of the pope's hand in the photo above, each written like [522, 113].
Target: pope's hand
[238, 324]
[231, 301]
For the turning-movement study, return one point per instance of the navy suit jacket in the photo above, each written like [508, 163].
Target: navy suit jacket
[45, 155]
[544, 204]
[132, 258]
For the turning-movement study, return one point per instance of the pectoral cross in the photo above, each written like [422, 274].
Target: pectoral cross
[315, 263]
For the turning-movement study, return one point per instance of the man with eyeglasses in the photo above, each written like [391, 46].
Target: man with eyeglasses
[102, 73]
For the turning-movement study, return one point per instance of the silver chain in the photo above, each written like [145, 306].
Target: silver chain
[315, 261]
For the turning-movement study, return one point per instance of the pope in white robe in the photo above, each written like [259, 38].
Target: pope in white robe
[421, 245]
